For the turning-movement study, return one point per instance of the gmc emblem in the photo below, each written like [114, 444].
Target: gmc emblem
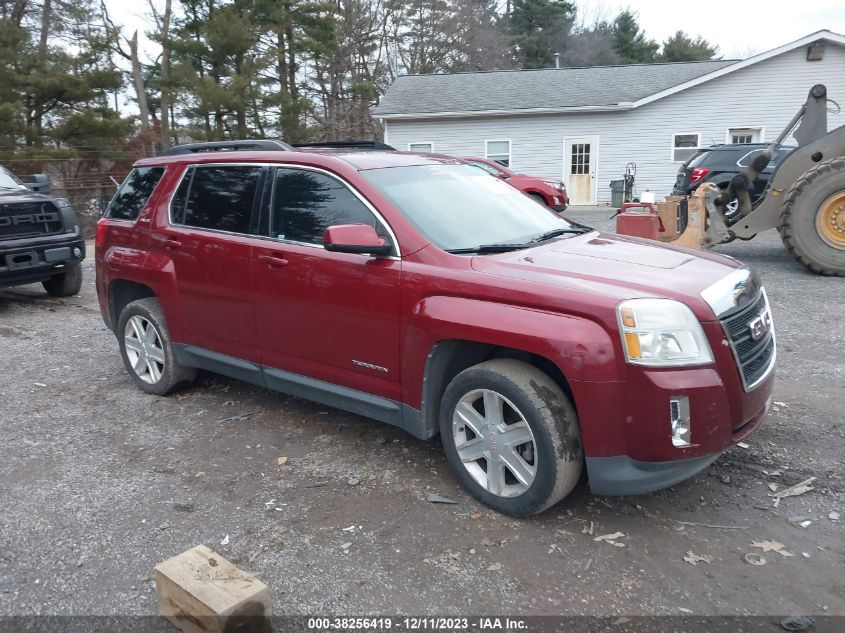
[761, 325]
[28, 218]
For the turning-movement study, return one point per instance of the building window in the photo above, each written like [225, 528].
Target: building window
[685, 146]
[421, 148]
[745, 135]
[580, 163]
[499, 151]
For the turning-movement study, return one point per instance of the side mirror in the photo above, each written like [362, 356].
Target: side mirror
[39, 183]
[502, 175]
[355, 238]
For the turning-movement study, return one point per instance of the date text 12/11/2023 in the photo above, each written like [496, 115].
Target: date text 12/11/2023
[423, 623]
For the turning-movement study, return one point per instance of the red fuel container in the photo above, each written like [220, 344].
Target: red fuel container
[638, 219]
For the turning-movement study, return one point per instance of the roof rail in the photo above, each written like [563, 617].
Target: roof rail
[353, 145]
[222, 146]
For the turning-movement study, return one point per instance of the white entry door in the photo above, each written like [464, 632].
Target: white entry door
[580, 160]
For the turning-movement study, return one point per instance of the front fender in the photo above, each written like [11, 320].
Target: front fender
[581, 348]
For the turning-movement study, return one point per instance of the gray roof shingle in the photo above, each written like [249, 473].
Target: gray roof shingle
[551, 88]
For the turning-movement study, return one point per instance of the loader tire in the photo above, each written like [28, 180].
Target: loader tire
[812, 225]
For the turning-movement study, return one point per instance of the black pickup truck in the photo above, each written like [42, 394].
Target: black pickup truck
[40, 237]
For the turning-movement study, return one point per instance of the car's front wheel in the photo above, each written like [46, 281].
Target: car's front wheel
[147, 350]
[66, 284]
[511, 436]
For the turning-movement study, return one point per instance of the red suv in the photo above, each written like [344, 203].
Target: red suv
[416, 290]
[551, 193]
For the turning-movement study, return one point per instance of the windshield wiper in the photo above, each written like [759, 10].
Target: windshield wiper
[488, 248]
[515, 246]
[558, 232]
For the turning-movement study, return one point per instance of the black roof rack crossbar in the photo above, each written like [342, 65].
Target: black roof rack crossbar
[362, 145]
[222, 146]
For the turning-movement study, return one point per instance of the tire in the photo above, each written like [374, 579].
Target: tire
[807, 203]
[67, 284]
[552, 454]
[157, 371]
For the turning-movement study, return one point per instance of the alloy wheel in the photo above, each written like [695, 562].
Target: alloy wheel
[144, 349]
[495, 443]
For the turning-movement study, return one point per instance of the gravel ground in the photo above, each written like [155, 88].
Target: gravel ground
[102, 482]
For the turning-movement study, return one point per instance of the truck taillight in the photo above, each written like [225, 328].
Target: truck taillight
[697, 174]
[101, 233]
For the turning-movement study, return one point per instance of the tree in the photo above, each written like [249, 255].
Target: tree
[682, 48]
[539, 29]
[590, 46]
[630, 42]
[56, 65]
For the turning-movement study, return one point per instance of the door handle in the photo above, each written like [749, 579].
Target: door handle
[171, 243]
[272, 261]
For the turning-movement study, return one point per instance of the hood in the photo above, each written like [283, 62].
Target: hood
[616, 266]
[22, 195]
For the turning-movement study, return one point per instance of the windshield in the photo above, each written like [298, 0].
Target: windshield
[460, 207]
[9, 181]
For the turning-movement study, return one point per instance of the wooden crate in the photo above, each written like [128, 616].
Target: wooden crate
[201, 592]
[668, 212]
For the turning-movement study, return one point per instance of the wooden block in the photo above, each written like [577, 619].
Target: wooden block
[201, 592]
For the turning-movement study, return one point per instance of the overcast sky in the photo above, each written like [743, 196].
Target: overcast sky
[740, 28]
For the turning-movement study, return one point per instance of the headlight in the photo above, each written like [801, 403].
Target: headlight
[661, 333]
[554, 185]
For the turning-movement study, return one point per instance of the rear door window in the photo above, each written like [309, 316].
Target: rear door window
[134, 193]
[218, 197]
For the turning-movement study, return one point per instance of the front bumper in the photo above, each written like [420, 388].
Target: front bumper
[35, 260]
[621, 475]
[629, 475]
[560, 208]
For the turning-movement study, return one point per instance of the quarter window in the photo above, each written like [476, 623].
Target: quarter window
[685, 146]
[217, 197]
[134, 193]
[306, 203]
[499, 151]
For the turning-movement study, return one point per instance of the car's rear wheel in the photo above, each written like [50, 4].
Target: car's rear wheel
[66, 284]
[511, 436]
[147, 350]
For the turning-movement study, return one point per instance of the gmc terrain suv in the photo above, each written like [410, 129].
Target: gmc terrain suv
[418, 291]
[40, 239]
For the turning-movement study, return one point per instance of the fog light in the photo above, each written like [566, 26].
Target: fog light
[77, 251]
[679, 418]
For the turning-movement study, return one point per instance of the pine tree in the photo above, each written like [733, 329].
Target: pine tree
[682, 48]
[630, 42]
[539, 28]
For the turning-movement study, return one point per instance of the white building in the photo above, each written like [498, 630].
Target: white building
[586, 124]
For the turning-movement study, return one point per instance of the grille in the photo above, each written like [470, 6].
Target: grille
[754, 357]
[29, 219]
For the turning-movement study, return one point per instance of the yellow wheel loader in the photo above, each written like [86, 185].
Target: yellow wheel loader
[804, 200]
